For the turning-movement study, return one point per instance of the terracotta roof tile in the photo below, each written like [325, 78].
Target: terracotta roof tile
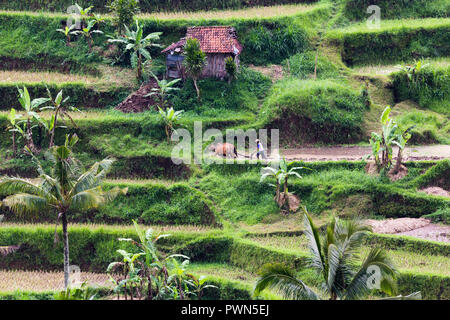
[217, 39]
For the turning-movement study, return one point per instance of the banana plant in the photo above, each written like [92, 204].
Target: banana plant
[84, 292]
[87, 32]
[402, 139]
[281, 175]
[84, 12]
[413, 69]
[31, 108]
[385, 141]
[165, 88]
[146, 273]
[68, 31]
[136, 42]
[199, 284]
[98, 18]
[14, 127]
[60, 109]
[170, 117]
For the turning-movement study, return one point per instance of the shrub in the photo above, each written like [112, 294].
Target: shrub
[437, 175]
[430, 88]
[124, 11]
[431, 128]
[314, 111]
[242, 94]
[441, 215]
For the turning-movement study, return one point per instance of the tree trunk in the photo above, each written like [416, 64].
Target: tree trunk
[90, 44]
[14, 144]
[52, 136]
[286, 193]
[139, 67]
[168, 134]
[196, 88]
[29, 137]
[66, 250]
[277, 194]
[399, 161]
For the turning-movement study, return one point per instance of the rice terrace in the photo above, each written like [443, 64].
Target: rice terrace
[225, 150]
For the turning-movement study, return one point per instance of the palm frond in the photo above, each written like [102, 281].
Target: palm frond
[10, 185]
[312, 234]
[376, 257]
[24, 203]
[87, 199]
[281, 279]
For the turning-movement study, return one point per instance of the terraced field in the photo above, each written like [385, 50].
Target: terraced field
[313, 70]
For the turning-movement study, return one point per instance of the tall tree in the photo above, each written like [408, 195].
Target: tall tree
[66, 189]
[194, 61]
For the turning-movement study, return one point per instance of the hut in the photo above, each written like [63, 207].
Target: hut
[217, 43]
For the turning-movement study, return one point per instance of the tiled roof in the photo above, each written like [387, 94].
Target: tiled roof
[212, 40]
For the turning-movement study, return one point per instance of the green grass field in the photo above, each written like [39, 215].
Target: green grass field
[312, 69]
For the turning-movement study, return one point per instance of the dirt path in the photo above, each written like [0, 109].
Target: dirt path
[419, 228]
[434, 152]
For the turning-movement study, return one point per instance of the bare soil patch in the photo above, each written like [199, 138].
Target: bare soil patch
[419, 228]
[436, 191]
[136, 101]
[274, 72]
[353, 153]
[402, 172]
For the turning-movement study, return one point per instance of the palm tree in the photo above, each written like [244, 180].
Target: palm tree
[170, 117]
[136, 42]
[334, 256]
[281, 175]
[31, 108]
[66, 189]
[194, 61]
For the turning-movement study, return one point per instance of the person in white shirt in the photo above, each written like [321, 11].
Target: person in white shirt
[260, 150]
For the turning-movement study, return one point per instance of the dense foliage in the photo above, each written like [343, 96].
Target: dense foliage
[429, 87]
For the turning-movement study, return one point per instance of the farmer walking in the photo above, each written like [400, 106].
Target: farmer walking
[260, 150]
